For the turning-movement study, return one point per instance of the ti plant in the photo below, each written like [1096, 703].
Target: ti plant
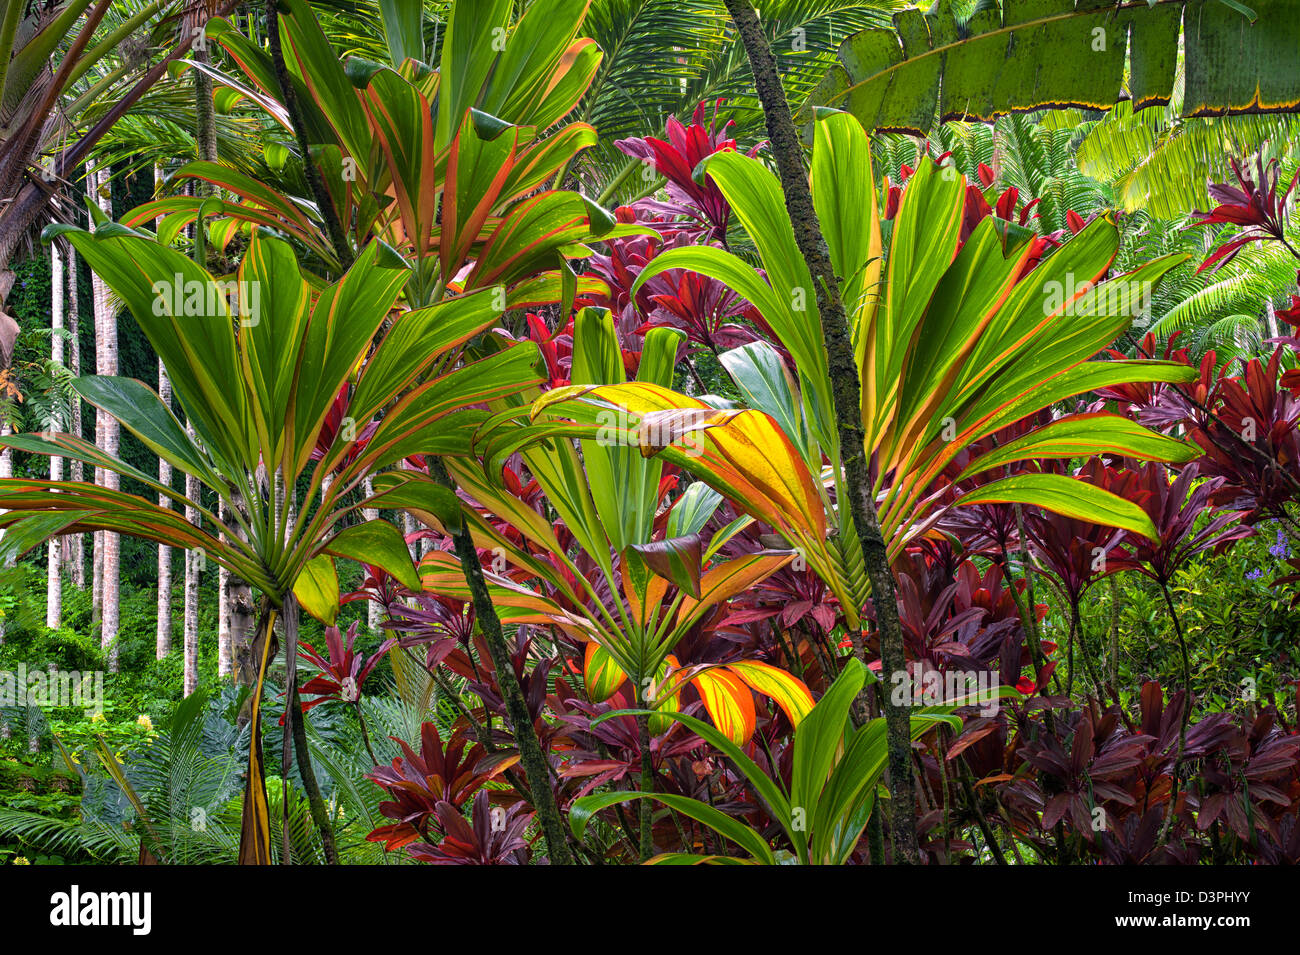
[953, 338]
[953, 343]
[257, 379]
[643, 595]
[447, 165]
[823, 811]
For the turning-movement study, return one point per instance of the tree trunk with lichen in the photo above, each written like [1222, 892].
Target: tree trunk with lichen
[537, 770]
[846, 391]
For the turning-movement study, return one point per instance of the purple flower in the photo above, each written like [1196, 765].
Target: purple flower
[1282, 548]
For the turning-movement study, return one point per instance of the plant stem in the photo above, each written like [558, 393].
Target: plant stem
[1114, 638]
[846, 391]
[647, 786]
[365, 734]
[255, 826]
[981, 821]
[319, 813]
[536, 769]
[333, 227]
[1183, 719]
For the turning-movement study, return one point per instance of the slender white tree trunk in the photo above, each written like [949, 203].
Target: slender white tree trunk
[6, 471]
[163, 636]
[97, 569]
[163, 642]
[194, 564]
[226, 638]
[108, 437]
[77, 543]
[223, 604]
[409, 527]
[54, 549]
[373, 610]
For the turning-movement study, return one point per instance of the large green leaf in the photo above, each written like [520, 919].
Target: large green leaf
[272, 339]
[476, 34]
[735, 830]
[403, 29]
[142, 412]
[1067, 496]
[1007, 58]
[1084, 435]
[187, 319]
[400, 118]
[317, 589]
[378, 543]
[342, 325]
[318, 65]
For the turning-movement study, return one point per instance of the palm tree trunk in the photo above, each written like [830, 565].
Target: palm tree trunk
[54, 548]
[77, 541]
[194, 561]
[163, 641]
[107, 432]
[223, 598]
[205, 116]
[239, 600]
[6, 471]
[847, 395]
[237, 615]
[163, 635]
[97, 570]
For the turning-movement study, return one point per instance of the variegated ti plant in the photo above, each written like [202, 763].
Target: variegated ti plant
[447, 162]
[644, 594]
[835, 774]
[256, 379]
[953, 341]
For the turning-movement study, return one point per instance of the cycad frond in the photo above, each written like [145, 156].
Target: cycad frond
[1163, 164]
[1220, 314]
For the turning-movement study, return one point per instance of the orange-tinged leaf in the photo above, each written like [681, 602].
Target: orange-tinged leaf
[600, 673]
[441, 573]
[743, 454]
[728, 579]
[729, 702]
[786, 689]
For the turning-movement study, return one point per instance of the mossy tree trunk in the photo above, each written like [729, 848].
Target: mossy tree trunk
[846, 392]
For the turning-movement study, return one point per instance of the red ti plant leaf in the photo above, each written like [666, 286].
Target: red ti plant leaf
[343, 673]
[677, 559]
[1253, 205]
[1175, 508]
[1251, 440]
[497, 836]
[418, 784]
[677, 159]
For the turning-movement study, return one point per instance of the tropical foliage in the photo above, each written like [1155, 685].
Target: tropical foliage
[662, 481]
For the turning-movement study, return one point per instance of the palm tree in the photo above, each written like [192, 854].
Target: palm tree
[107, 434]
[78, 541]
[54, 550]
[163, 640]
[663, 57]
[194, 562]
